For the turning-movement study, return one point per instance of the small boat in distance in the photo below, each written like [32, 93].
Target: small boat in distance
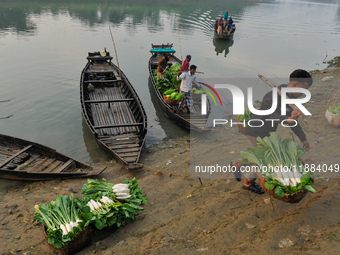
[227, 33]
[25, 160]
[112, 109]
[193, 120]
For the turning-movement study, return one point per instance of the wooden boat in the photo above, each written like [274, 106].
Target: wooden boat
[112, 109]
[225, 35]
[193, 120]
[25, 160]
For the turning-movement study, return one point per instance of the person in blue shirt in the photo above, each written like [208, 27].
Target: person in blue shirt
[225, 16]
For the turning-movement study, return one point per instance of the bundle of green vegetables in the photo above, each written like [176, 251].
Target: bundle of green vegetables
[61, 218]
[335, 110]
[245, 117]
[170, 78]
[280, 164]
[197, 91]
[106, 204]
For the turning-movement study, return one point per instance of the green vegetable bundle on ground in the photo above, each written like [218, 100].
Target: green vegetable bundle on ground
[245, 117]
[106, 204]
[61, 218]
[280, 164]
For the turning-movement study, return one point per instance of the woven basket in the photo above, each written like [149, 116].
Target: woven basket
[170, 101]
[288, 198]
[79, 242]
[333, 119]
[196, 97]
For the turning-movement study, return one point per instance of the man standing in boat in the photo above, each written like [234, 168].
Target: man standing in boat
[162, 64]
[188, 78]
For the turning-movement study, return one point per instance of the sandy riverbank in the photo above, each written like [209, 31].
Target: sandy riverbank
[184, 217]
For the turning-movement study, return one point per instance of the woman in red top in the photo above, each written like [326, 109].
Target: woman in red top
[185, 64]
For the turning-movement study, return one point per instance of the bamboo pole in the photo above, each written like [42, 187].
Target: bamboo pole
[179, 39]
[279, 91]
[120, 74]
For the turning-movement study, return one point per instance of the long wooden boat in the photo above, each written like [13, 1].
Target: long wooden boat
[112, 109]
[193, 120]
[25, 160]
[225, 35]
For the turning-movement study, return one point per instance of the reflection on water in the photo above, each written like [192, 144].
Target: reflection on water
[222, 46]
[170, 129]
[43, 45]
[97, 152]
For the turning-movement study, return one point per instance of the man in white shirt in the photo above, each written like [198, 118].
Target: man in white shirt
[188, 78]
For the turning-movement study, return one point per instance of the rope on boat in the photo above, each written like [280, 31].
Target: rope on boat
[161, 172]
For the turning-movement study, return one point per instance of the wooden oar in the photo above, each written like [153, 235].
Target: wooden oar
[120, 74]
[279, 91]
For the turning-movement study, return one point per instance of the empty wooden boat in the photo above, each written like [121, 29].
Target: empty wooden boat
[193, 120]
[112, 109]
[25, 160]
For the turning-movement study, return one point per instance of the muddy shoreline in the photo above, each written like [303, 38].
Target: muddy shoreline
[183, 216]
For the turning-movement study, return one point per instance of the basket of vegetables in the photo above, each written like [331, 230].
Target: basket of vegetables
[196, 94]
[282, 174]
[108, 205]
[333, 111]
[63, 228]
[172, 97]
[243, 118]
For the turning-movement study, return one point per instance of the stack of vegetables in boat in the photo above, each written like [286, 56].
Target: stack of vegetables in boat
[282, 173]
[169, 85]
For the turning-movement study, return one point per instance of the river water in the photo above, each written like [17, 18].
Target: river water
[44, 44]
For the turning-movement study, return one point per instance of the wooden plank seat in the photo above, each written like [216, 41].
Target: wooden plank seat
[15, 155]
[102, 81]
[109, 100]
[99, 58]
[119, 125]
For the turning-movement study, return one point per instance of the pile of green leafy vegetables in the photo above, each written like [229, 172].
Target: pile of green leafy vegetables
[100, 205]
[112, 213]
[245, 117]
[279, 162]
[170, 79]
[61, 218]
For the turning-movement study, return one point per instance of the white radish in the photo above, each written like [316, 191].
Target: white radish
[122, 194]
[68, 227]
[297, 175]
[94, 203]
[63, 228]
[279, 178]
[285, 176]
[120, 185]
[78, 220]
[91, 206]
[292, 180]
[103, 200]
[123, 197]
[122, 190]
